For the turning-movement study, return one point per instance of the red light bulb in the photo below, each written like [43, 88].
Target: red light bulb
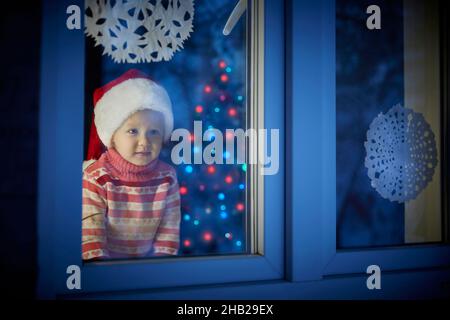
[183, 190]
[211, 169]
[207, 236]
[199, 109]
[232, 112]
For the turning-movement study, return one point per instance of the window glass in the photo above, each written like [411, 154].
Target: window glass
[206, 82]
[388, 123]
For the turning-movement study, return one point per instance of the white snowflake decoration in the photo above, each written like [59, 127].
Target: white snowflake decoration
[136, 31]
[401, 154]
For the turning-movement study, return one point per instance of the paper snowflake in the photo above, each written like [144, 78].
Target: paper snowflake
[401, 154]
[136, 31]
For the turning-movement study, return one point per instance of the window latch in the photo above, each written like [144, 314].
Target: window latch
[235, 16]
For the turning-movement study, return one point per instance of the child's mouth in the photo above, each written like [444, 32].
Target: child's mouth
[143, 154]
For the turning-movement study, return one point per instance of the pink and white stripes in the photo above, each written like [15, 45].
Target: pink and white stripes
[128, 210]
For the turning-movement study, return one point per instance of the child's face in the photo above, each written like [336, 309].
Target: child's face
[140, 137]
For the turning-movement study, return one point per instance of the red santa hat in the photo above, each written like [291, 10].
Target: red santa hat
[119, 99]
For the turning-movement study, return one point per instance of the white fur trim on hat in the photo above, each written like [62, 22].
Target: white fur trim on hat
[126, 98]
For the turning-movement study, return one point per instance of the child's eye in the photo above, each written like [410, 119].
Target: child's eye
[132, 131]
[154, 132]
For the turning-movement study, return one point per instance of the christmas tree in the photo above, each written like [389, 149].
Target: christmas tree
[213, 207]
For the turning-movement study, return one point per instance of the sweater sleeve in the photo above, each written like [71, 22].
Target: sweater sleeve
[167, 236]
[93, 242]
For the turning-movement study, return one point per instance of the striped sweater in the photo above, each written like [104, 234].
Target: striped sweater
[129, 210]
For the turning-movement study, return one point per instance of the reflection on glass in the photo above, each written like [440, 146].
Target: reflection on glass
[388, 124]
[206, 81]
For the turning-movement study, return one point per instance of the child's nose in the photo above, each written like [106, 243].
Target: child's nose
[144, 140]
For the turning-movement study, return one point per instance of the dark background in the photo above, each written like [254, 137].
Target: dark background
[19, 95]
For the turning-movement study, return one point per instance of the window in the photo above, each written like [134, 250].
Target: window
[300, 68]
[72, 69]
[343, 76]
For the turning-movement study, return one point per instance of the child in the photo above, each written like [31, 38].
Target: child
[131, 201]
